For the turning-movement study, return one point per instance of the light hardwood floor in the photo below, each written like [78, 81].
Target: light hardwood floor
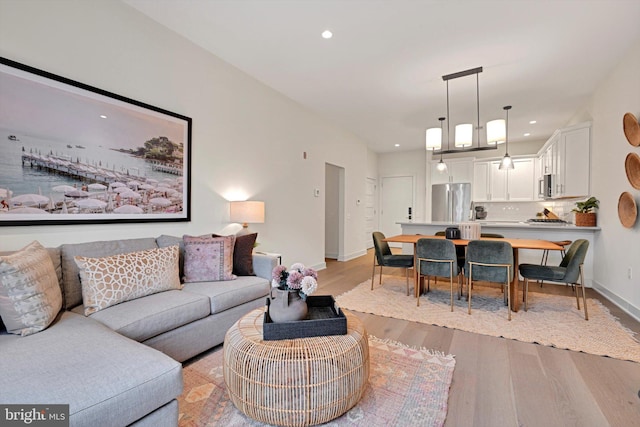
[501, 382]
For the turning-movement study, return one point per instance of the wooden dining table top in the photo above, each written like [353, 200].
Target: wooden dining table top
[515, 242]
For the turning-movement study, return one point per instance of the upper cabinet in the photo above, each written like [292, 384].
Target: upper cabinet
[567, 158]
[458, 170]
[492, 184]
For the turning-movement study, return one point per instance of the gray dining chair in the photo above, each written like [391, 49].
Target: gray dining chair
[384, 258]
[569, 271]
[437, 258]
[489, 261]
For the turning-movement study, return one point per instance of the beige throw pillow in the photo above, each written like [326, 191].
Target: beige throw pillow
[30, 296]
[118, 278]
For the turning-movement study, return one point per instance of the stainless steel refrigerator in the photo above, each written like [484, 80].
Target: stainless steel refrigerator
[451, 202]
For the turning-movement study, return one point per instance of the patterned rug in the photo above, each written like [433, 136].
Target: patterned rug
[407, 386]
[552, 320]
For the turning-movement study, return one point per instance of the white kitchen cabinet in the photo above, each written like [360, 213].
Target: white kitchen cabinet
[567, 157]
[521, 182]
[498, 182]
[574, 162]
[458, 170]
[481, 189]
[492, 184]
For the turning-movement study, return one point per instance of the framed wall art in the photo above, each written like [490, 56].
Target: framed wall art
[71, 153]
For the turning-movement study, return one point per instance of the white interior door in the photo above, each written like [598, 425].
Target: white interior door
[396, 199]
[370, 211]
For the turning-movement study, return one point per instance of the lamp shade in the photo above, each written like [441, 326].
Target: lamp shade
[247, 211]
[464, 135]
[434, 138]
[496, 132]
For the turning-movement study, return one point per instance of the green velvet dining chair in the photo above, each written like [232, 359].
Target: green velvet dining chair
[569, 271]
[437, 258]
[489, 261]
[384, 258]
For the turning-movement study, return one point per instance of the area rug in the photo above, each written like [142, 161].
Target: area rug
[551, 320]
[407, 386]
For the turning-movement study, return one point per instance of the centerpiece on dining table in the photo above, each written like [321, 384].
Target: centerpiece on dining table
[291, 288]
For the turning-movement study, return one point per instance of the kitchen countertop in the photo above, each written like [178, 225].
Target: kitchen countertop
[510, 224]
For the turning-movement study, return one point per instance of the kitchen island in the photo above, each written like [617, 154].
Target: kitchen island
[522, 230]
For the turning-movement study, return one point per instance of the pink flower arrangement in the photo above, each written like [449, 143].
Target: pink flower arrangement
[299, 278]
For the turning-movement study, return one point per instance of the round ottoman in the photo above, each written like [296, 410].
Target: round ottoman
[295, 382]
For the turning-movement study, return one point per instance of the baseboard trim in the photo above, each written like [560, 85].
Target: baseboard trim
[353, 255]
[624, 305]
[321, 266]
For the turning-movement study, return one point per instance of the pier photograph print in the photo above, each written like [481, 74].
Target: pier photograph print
[71, 153]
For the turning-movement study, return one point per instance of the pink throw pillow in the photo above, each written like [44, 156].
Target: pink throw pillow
[208, 259]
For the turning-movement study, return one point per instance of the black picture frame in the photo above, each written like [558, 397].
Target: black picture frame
[77, 146]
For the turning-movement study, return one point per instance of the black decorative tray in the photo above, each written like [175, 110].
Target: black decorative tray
[324, 317]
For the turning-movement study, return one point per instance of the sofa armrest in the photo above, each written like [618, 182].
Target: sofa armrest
[263, 265]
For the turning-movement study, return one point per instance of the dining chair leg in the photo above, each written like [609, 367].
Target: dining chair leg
[373, 273]
[451, 283]
[526, 293]
[584, 294]
[380, 281]
[508, 293]
[469, 285]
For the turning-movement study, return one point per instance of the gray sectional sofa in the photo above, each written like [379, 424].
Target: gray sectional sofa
[121, 365]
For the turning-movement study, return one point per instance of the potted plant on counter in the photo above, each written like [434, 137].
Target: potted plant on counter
[585, 212]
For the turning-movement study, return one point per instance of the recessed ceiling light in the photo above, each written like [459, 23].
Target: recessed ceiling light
[102, 116]
[326, 34]
[397, 145]
[527, 134]
[533, 122]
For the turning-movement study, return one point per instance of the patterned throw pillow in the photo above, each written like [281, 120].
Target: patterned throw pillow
[30, 296]
[243, 254]
[208, 259]
[118, 278]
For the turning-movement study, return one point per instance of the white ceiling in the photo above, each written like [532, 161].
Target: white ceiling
[380, 75]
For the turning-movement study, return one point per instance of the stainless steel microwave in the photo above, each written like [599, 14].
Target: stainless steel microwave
[545, 186]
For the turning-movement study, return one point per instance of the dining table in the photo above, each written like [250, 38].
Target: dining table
[516, 244]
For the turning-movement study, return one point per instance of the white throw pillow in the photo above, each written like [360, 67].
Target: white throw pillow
[30, 296]
[118, 278]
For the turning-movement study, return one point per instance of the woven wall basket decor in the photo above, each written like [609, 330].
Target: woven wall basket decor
[631, 129]
[627, 210]
[632, 169]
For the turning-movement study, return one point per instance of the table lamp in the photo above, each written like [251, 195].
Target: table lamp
[245, 212]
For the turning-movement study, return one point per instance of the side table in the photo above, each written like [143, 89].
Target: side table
[295, 382]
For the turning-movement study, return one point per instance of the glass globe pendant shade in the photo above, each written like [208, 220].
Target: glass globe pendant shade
[464, 135]
[506, 163]
[441, 166]
[496, 132]
[434, 138]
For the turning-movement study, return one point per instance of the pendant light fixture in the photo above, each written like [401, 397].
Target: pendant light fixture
[441, 166]
[507, 162]
[464, 132]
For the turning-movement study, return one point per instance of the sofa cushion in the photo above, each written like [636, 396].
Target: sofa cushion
[114, 279]
[71, 281]
[208, 258]
[30, 296]
[143, 318]
[106, 379]
[228, 294]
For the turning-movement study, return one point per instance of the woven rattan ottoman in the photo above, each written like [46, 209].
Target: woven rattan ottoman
[295, 382]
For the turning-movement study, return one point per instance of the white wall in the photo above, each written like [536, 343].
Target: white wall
[247, 138]
[616, 248]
